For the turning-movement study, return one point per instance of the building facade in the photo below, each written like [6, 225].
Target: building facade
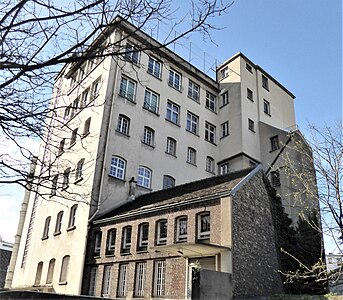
[5, 257]
[134, 123]
[154, 246]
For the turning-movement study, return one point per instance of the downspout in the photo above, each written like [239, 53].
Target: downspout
[22, 215]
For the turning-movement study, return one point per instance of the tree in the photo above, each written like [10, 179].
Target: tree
[39, 37]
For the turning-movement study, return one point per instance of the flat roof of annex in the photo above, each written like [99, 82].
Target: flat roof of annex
[240, 54]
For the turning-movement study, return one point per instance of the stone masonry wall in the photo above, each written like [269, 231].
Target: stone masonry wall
[254, 258]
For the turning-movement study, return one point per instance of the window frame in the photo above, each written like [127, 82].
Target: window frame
[72, 217]
[79, 170]
[123, 124]
[61, 146]
[95, 90]
[250, 94]
[153, 62]
[58, 225]
[210, 132]
[193, 91]
[122, 280]
[175, 79]
[181, 237]
[148, 100]
[274, 143]
[46, 228]
[225, 98]
[140, 275]
[54, 183]
[126, 242]
[173, 112]
[266, 107]
[159, 278]
[191, 156]
[143, 241]
[203, 234]
[224, 168]
[97, 243]
[124, 92]
[111, 241]
[225, 129]
[167, 179]
[73, 137]
[210, 164]
[275, 178]
[211, 101]
[93, 274]
[51, 269]
[131, 53]
[149, 136]
[66, 178]
[171, 146]
[224, 72]
[86, 127]
[39, 272]
[251, 125]
[116, 170]
[265, 82]
[64, 269]
[161, 233]
[192, 123]
[106, 281]
[143, 180]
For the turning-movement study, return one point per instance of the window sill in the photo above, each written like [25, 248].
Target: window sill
[125, 253]
[122, 133]
[251, 99]
[78, 180]
[211, 172]
[226, 104]
[192, 164]
[192, 132]
[45, 237]
[195, 100]
[266, 88]
[63, 283]
[171, 122]
[224, 136]
[141, 251]
[213, 143]
[150, 146]
[85, 135]
[175, 88]
[214, 111]
[128, 99]
[72, 145]
[152, 74]
[71, 228]
[117, 178]
[173, 155]
[273, 150]
[252, 130]
[109, 254]
[181, 241]
[57, 233]
[144, 187]
[269, 115]
[151, 111]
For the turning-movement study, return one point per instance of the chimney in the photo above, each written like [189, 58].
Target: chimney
[132, 189]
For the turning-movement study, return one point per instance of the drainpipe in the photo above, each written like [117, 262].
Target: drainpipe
[23, 211]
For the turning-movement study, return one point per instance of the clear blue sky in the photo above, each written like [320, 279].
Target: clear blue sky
[299, 42]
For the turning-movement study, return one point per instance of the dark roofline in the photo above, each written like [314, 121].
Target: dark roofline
[258, 68]
[161, 195]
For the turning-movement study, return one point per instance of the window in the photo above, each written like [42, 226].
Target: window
[73, 80]
[92, 280]
[61, 146]
[123, 125]
[143, 235]
[274, 143]
[85, 98]
[192, 123]
[73, 137]
[117, 168]
[131, 54]
[209, 164]
[66, 175]
[168, 182]
[74, 108]
[122, 280]
[193, 91]
[161, 232]
[210, 132]
[59, 222]
[224, 169]
[86, 127]
[191, 156]
[275, 178]
[46, 228]
[64, 269]
[72, 216]
[79, 170]
[210, 101]
[54, 185]
[140, 279]
[174, 79]
[173, 111]
[144, 177]
[204, 226]
[250, 94]
[96, 88]
[148, 137]
[154, 67]
[111, 241]
[51, 269]
[106, 282]
[251, 125]
[225, 129]
[265, 82]
[181, 229]
[97, 243]
[224, 72]
[151, 100]
[171, 146]
[266, 107]
[248, 67]
[38, 273]
[225, 98]
[159, 278]
[126, 239]
[67, 112]
[127, 89]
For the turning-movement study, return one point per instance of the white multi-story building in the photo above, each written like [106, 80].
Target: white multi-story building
[147, 117]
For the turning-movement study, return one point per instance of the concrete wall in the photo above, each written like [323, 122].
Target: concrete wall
[254, 256]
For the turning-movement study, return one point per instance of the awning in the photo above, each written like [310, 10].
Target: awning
[191, 250]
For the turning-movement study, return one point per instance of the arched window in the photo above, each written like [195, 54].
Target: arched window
[117, 168]
[46, 228]
[64, 269]
[51, 269]
[168, 182]
[39, 273]
[210, 164]
[72, 216]
[111, 241]
[123, 125]
[144, 177]
[58, 222]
